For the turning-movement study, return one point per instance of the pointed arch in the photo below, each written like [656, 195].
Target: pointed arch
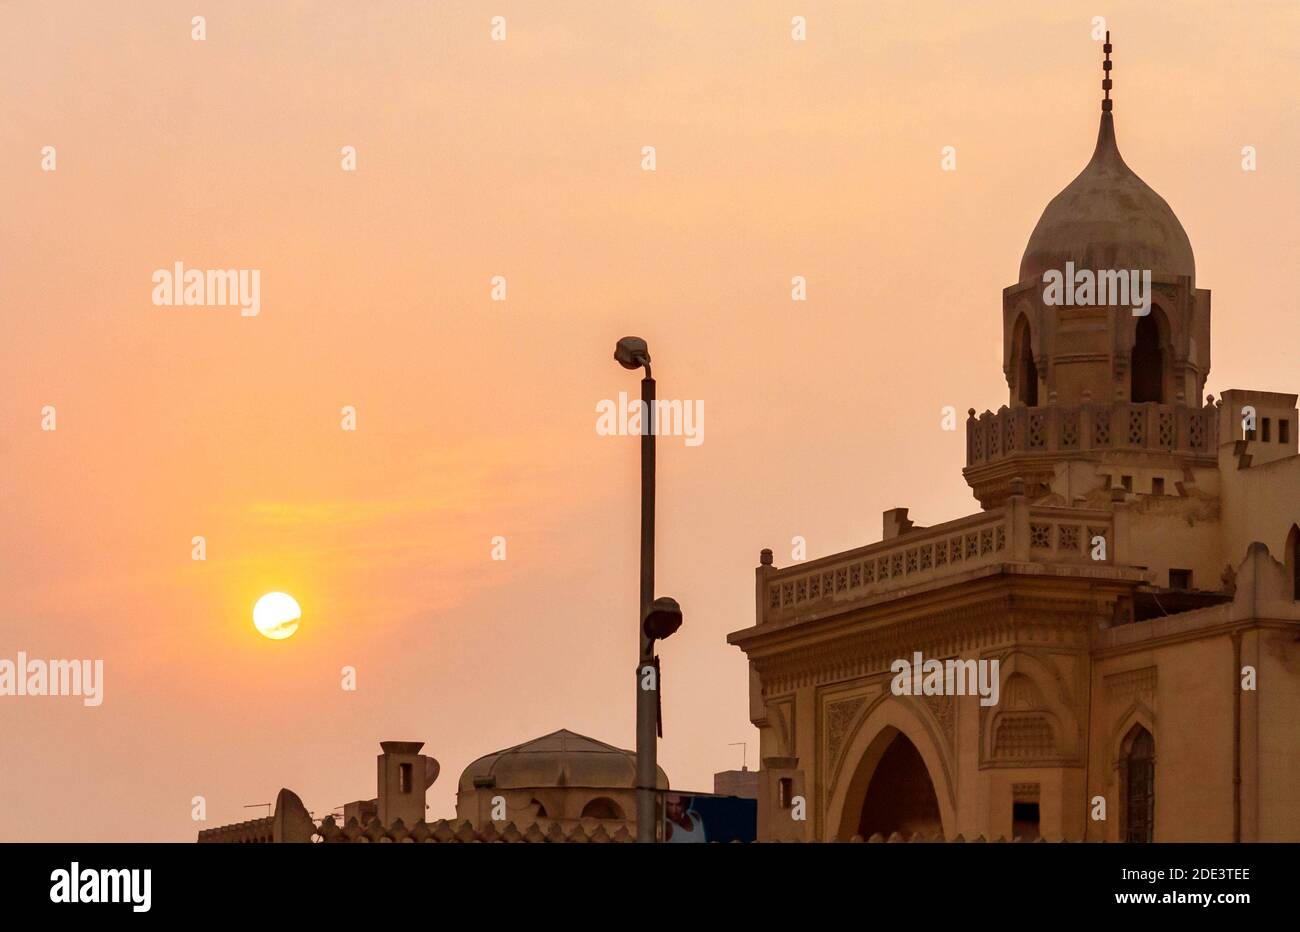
[1137, 766]
[1138, 713]
[900, 795]
[850, 782]
[1025, 371]
[1150, 360]
[1135, 720]
[1049, 701]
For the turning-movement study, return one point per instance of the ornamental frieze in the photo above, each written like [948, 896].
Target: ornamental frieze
[944, 710]
[839, 718]
[961, 632]
[1125, 687]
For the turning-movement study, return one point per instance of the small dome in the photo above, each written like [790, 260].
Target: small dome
[560, 759]
[1108, 218]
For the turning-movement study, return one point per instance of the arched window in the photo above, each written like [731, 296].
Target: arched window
[1148, 362]
[541, 810]
[1026, 371]
[1139, 777]
[602, 807]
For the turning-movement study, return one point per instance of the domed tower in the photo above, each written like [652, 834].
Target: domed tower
[1105, 338]
[1107, 222]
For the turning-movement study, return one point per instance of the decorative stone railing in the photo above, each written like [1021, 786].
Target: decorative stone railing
[1069, 535]
[1015, 532]
[1092, 427]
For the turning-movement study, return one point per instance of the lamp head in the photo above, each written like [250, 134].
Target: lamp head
[663, 619]
[632, 353]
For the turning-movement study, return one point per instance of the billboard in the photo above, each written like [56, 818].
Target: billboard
[702, 817]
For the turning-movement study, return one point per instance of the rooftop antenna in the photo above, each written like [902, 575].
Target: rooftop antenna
[744, 754]
[1106, 83]
[258, 805]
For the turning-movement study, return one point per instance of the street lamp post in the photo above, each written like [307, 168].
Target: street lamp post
[656, 618]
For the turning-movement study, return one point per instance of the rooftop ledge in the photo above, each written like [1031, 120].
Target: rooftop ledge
[1015, 533]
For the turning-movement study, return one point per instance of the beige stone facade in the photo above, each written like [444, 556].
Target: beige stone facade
[1132, 569]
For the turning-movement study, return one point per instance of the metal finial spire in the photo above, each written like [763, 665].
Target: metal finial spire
[1106, 82]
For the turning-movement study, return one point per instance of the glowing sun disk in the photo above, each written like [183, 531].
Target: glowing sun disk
[276, 615]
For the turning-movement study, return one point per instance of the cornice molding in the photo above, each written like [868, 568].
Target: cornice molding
[991, 623]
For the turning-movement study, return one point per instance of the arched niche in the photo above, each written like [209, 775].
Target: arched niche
[850, 783]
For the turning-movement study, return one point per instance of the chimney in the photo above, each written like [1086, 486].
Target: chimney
[896, 523]
[402, 782]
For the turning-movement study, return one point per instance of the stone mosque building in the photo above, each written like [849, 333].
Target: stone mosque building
[1134, 568]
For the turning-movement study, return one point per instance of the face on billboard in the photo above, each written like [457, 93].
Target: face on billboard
[675, 807]
[704, 818]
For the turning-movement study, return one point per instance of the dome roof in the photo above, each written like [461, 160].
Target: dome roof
[1108, 218]
[560, 759]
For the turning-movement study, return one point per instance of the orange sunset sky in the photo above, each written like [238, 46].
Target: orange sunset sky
[477, 418]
